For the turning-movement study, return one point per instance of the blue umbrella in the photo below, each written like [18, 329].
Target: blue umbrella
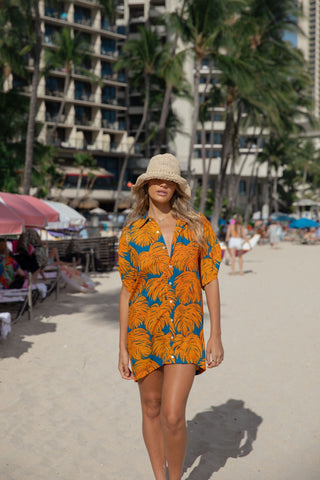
[303, 223]
[283, 218]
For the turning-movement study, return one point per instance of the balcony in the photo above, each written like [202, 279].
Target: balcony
[56, 14]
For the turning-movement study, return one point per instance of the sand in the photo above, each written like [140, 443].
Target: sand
[66, 413]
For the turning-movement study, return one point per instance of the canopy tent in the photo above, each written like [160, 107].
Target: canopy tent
[69, 217]
[10, 223]
[31, 216]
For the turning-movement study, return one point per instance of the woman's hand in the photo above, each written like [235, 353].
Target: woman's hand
[124, 369]
[214, 353]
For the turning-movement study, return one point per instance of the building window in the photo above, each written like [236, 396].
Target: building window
[242, 187]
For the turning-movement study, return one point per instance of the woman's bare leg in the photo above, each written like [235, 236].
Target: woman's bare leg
[240, 262]
[233, 259]
[150, 395]
[177, 383]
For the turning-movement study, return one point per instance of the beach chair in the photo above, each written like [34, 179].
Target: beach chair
[19, 300]
[52, 279]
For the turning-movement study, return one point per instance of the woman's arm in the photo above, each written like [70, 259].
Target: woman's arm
[214, 353]
[123, 351]
[228, 234]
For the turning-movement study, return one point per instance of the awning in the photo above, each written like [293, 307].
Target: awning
[75, 172]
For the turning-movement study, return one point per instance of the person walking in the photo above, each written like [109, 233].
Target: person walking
[235, 238]
[167, 254]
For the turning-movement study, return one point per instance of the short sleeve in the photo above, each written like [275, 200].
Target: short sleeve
[126, 265]
[210, 255]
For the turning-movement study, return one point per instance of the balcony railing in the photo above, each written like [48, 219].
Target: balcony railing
[53, 13]
[85, 21]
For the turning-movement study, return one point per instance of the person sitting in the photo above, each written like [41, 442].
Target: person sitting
[11, 274]
[30, 254]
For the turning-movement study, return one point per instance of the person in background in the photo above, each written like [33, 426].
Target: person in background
[11, 274]
[274, 234]
[24, 253]
[236, 236]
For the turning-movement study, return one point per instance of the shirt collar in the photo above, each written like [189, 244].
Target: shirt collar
[145, 219]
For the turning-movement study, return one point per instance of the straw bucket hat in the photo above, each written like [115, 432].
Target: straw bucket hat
[163, 167]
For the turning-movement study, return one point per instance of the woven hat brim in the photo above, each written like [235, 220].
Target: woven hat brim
[145, 177]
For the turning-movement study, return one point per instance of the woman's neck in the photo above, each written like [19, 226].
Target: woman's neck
[159, 212]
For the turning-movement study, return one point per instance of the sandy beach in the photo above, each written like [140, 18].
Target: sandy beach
[66, 413]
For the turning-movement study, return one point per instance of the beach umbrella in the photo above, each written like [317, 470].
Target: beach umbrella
[282, 218]
[50, 214]
[10, 222]
[303, 223]
[98, 211]
[69, 217]
[31, 216]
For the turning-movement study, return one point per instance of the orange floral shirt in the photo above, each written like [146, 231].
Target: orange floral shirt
[165, 322]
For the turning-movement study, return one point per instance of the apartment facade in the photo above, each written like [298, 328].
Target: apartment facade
[101, 117]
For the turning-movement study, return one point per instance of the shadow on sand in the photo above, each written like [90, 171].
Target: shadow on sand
[226, 431]
[101, 307]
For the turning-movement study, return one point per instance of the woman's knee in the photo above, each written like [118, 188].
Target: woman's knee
[151, 406]
[173, 420]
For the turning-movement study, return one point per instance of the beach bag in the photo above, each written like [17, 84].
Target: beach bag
[41, 256]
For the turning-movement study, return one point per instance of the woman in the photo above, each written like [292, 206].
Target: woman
[235, 238]
[11, 275]
[167, 253]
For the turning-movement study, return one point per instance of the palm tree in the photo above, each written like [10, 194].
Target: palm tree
[83, 160]
[259, 71]
[110, 7]
[202, 25]
[34, 96]
[142, 58]
[70, 52]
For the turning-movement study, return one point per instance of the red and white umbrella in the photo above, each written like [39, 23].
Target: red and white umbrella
[10, 222]
[26, 209]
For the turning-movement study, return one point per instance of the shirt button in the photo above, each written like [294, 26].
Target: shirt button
[171, 319]
[170, 266]
[158, 231]
[172, 356]
[170, 283]
[172, 338]
[170, 301]
[163, 248]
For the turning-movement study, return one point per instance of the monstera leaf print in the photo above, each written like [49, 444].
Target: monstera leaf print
[156, 319]
[188, 347]
[162, 348]
[158, 288]
[144, 366]
[139, 344]
[208, 271]
[185, 257]
[153, 261]
[142, 236]
[187, 287]
[138, 311]
[187, 317]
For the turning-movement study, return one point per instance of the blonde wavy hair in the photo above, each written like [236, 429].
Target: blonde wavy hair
[181, 209]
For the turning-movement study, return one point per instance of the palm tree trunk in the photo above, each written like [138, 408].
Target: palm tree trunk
[33, 103]
[75, 200]
[136, 138]
[166, 99]
[195, 116]
[225, 158]
[163, 119]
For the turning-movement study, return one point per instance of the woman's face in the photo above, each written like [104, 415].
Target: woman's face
[161, 191]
